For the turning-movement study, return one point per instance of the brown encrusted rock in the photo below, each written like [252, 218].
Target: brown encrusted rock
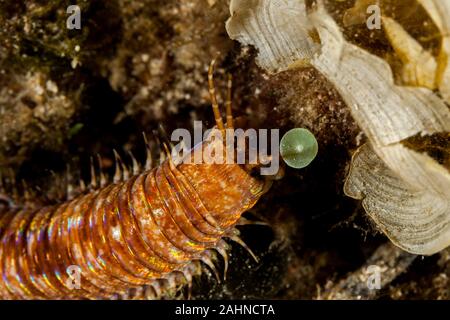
[44, 69]
[161, 61]
[33, 112]
[304, 98]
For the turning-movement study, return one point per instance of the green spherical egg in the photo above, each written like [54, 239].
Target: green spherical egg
[298, 147]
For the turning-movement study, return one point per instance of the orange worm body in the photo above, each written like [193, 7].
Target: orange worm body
[126, 235]
[129, 237]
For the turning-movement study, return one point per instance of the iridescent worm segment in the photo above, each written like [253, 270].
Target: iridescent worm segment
[131, 236]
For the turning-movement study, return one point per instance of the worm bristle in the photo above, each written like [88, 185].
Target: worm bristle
[118, 168]
[93, 185]
[136, 168]
[72, 187]
[235, 237]
[82, 186]
[208, 262]
[149, 160]
[222, 248]
[103, 178]
[246, 222]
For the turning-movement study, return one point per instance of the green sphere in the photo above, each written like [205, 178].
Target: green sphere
[298, 147]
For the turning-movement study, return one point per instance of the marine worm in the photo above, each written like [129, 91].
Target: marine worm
[137, 237]
[128, 235]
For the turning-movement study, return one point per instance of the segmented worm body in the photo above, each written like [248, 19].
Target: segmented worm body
[127, 235]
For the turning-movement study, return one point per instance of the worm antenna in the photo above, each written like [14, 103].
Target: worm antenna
[212, 94]
[229, 102]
